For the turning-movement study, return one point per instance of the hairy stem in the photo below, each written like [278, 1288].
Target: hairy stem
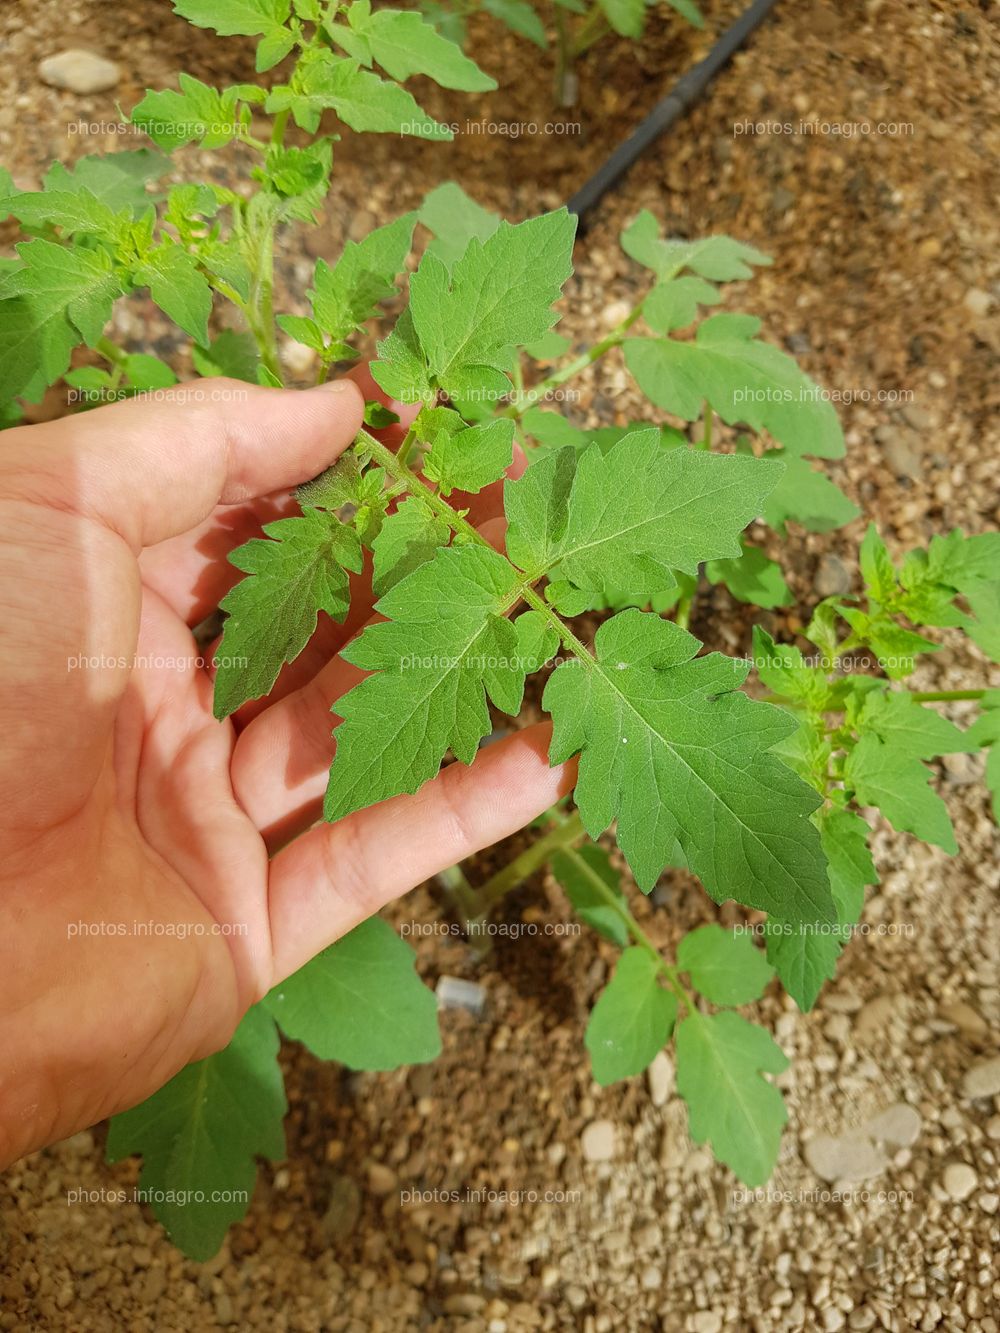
[530, 860]
[585, 359]
[945, 696]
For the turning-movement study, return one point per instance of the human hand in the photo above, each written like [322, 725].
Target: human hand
[123, 801]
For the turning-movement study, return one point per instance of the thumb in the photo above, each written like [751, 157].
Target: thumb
[152, 468]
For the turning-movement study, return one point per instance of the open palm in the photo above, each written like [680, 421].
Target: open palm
[160, 871]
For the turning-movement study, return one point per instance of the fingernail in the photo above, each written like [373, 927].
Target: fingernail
[336, 386]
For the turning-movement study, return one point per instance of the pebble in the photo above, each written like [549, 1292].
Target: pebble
[977, 302]
[706, 1321]
[598, 1141]
[614, 313]
[660, 1077]
[900, 453]
[457, 993]
[965, 1018]
[79, 71]
[845, 1157]
[344, 1209]
[993, 1128]
[959, 1180]
[381, 1180]
[983, 1079]
[898, 1125]
[297, 358]
[833, 578]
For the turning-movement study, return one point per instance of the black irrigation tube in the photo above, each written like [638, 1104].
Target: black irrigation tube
[685, 93]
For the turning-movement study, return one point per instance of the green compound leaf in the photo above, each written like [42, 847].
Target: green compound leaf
[628, 517]
[743, 379]
[116, 179]
[298, 572]
[753, 578]
[200, 1134]
[197, 114]
[73, 211]
[325, 82]
[403, 43]
[806, 496]
[721, 1061]
[631, 1021]
[671, 751]
[360, 1002]
[454, 219]
[463, 324]
[178, 287]
[806, 957]
[674, 304]
[472, 458]
[724, 967]
[581, 873]
[911, 729]
[444, 648]
[719, 258]
[899, 785]
[345, 296]
[406, 540]
[246, 18]
[782, 668]
[520, 17]
[57, 298]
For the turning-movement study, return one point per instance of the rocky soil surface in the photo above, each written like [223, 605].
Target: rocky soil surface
[500, 1190]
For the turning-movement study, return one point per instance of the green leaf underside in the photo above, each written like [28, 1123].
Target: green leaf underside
[201, 1133]
[580, 873]
[444, 649]
[743, 379]
[724, 967]
[670, 750]
[631, 1020]
[360, 1002]
[362, 100]
[628, 517]
[299, 572]
[721, 1060]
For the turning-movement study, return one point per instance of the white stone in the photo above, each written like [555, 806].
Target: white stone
[847, 1157]
[598, 1141]
[983, 1079]
[297, 357]
[959, 1180]
[79, 71]
[977, 302]
[706, 1321]
[456, 993]
[898, 1125]
[660, 1077]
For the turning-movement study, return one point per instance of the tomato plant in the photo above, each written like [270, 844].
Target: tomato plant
[761, 798]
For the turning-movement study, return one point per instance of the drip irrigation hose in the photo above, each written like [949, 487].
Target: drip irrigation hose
[685, 92]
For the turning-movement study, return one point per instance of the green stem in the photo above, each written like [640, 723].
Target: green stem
[111, 351]
[278, 129]
[460, 891]
[530, 860]
[945, 696]
[667, 970]
[585, 359]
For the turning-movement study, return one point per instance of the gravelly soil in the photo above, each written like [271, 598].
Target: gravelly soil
[886, 281]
